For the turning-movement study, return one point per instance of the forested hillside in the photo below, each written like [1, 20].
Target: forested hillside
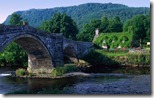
[82, 14]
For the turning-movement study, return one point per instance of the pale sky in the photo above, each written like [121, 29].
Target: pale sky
[7, 7]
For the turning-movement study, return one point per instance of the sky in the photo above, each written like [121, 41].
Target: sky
[7, 7]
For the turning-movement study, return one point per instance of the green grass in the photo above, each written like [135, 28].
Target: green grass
[21, 72]
[112, 54]
[59, 71]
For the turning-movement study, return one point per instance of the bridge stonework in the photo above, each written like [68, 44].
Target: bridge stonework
[45, 51]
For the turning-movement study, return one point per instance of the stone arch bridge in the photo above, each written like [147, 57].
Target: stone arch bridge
[45, 51]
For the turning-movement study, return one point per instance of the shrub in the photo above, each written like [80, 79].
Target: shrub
[21, 72]
[71, 68]
[59, 71]
[139, 59]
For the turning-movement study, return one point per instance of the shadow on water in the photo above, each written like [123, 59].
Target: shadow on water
[13, 85]
[35, 85]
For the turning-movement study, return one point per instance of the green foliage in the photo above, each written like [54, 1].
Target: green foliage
[140, 26]
[117, 57]
[61, 23]
[87, 34]
[15, 19]
[21, 72]
[139, 58]
[114, 38]
[13, 54]
[82, 14]
[123, 39]
[115, 25]
[59, 71]
[104, 24]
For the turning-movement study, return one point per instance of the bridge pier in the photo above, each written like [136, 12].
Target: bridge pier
[39, 65]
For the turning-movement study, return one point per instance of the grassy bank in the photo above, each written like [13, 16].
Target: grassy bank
[109, 61]
[113, 58]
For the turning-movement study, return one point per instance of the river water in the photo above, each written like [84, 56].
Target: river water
[75, 84]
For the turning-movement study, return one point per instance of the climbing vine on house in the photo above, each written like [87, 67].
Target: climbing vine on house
[115, 40]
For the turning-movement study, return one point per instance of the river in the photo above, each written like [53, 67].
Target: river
[97, 84]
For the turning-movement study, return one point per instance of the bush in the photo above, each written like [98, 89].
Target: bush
[21, 72]
[139, 59]
[59, 71]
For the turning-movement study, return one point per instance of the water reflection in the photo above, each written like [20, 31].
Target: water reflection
[11, 84]
[36, 84]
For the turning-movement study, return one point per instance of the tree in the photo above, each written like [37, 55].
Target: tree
[61, 23]
[13, 54]
[88, 31]
[140, 26]
[15, 19]
[104, 24]
[96, 23]
[87, 34]
[147, 28]
[115, 25]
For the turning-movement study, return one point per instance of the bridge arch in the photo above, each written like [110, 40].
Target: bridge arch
[70, 53]
[40, 60]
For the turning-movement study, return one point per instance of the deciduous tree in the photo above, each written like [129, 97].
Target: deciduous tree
[61, 23]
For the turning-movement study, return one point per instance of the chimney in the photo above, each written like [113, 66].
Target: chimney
[96, 33]
[24, 23]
